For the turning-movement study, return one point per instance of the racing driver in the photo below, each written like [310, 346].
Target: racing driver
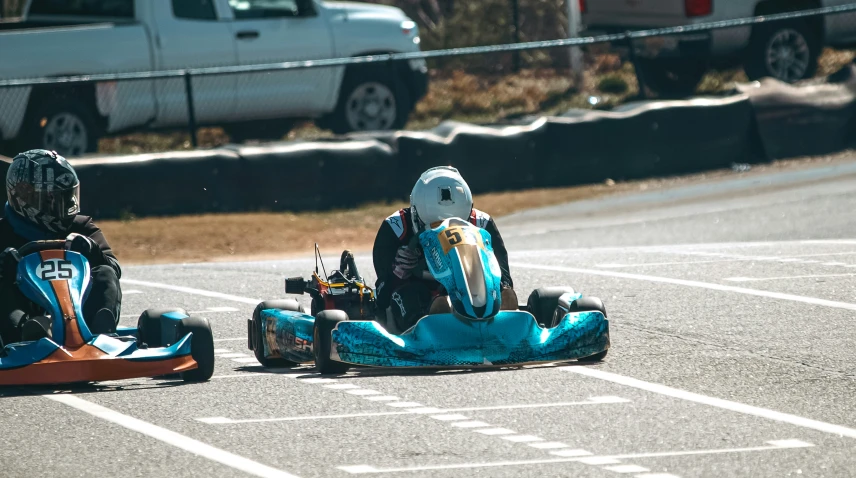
[43, 194]
[439, 194]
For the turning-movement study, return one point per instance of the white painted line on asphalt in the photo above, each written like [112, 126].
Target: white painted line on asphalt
[835, 263]
[381, 398]
[494, 431]
[221, 351]
[245, 360]
[232, 355]
[131, 292]
[363, 392]
[359, 469]
[449, 417]
[230, 340]
[318, 380]
[548, 445]
[591, 401]
[190, 290]
[229, 421]
[405, 404]
[657, 264]
[522, 438]
[692, 283]
[216, 309]
[626, 469]
[171, 438]
[425, 410]
[809, 276]
[656, 475]
[341, 386]
[599, 460]
[571, 453]
[714, 402]
[470, 424]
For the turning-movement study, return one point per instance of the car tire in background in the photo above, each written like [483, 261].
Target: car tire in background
[671, 77]
[372, 98]
[322, 341]
[786, 51]
[65, 125]
[256, 338]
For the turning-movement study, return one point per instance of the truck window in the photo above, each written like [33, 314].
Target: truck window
[194, 9]
[84, 8]
[246, 9]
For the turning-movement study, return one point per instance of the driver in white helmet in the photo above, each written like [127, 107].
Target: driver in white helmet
[440, 193]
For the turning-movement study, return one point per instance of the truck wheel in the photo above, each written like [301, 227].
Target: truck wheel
[66, 126]
[671, 77]
[256, 337]
[371, 99]
[201, 348]
[325, 322]
[542, 303]
[786, 51]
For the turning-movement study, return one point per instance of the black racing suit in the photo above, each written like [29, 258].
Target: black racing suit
[412, 296]
[105, 291]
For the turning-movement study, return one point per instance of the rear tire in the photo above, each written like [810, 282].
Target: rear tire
[201, 348]
[325, 322]
[542, 302]
[257, 340]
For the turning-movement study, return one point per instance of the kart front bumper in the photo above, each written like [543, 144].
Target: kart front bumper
[444, 341]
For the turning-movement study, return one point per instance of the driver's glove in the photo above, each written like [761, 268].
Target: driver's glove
[9, 260]
[406, 260]
[86, 247]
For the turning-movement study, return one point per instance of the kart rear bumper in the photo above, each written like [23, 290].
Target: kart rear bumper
[103, 358]
[444, 341]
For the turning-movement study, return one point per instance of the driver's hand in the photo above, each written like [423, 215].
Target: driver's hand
[9, 260]
[406, 260]
[83, 245]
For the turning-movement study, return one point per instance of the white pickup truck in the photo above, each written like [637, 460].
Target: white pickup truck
[787, 50]
[59, 37]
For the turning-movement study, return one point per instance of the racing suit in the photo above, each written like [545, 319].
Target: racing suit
[407, 296]
[105, 291]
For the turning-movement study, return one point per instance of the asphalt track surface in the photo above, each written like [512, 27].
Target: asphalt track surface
[731, 307]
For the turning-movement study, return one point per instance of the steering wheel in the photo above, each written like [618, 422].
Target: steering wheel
[39, 246]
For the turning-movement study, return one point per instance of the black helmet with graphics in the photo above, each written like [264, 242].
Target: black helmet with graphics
[43, 188]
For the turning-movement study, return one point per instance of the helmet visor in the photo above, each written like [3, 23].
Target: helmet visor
[53, 203]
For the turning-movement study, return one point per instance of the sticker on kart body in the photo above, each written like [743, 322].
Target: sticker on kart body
[55, 269]
[458, 236]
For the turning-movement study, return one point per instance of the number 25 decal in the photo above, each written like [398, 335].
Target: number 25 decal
[55, 269]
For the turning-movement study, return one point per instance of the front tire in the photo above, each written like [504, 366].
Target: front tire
[201, 348]
[257, 338]
[371, 99]
[325, 322]
[786, 51]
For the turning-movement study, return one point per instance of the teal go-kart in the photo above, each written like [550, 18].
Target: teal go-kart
[345, 329]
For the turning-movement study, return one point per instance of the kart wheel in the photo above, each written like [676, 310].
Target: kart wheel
[325, 322]
[256, 337]
[149, 326]
[542, 303]
[201, 348]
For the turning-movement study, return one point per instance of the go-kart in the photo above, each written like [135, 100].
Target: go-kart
[345, 328]
[57, 280]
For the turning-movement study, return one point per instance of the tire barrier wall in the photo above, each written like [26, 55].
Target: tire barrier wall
[757, 122]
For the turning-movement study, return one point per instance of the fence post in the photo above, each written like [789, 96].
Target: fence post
[191, 111]
[515, 19]
[574, 21]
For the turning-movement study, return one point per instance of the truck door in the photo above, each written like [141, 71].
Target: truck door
[268, 31]
[191, 34]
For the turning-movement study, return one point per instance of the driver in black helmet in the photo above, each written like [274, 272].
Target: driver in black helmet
[43, 195]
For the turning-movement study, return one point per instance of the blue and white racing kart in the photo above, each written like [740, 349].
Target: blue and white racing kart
[345, 329]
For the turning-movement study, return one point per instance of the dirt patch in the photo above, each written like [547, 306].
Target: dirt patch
[219, 237]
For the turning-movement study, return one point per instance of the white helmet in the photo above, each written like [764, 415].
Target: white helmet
[440, 193]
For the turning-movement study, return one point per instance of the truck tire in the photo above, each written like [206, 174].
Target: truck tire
[371, 98]
[64, 125]
[671, 77]
[786, 51]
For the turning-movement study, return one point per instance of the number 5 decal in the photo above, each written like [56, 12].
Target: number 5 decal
[453, 236]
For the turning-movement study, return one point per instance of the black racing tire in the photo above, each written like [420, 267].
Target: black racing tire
[325, 322]
[69, 114]
[542, 302]
[671, 77]
[149, 326]
[363, 81]
[201, 348]
[803, 39]
[256, 338]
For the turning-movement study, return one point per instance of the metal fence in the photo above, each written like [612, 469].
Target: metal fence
[377, 92]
